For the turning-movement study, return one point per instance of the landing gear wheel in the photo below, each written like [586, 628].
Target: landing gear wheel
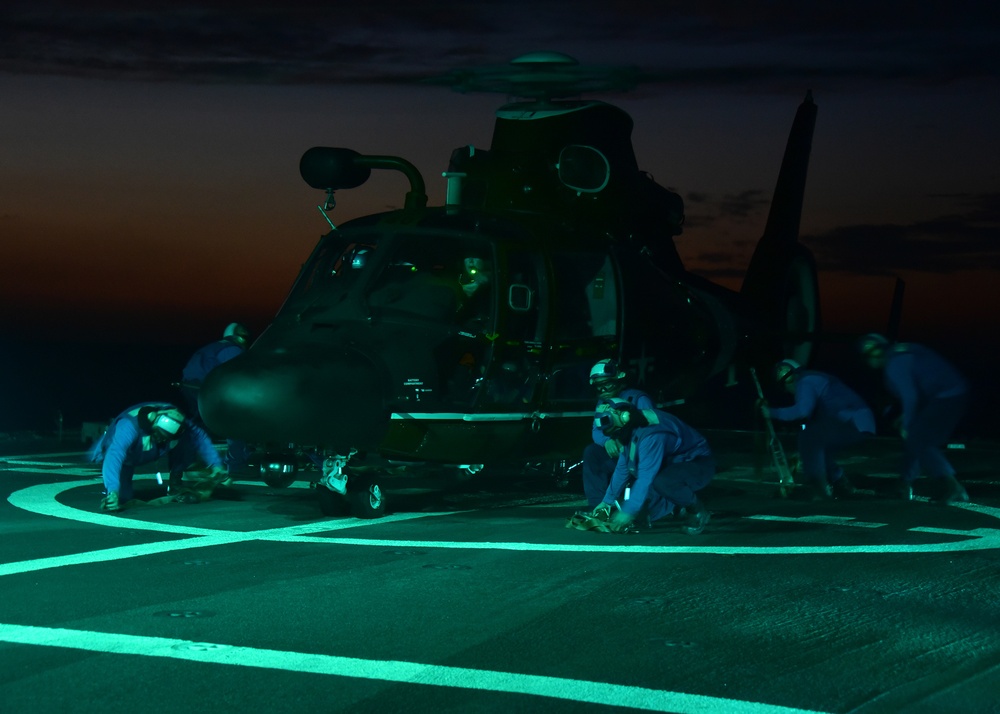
[278, 471]
[331, 503]
[562, 476]
[277, 479]
[367, 500]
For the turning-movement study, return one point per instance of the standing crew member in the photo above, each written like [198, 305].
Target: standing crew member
[233, 344]
[833, 417]
[142, 434]
[601, 456]
[933, 396]
[661, 455]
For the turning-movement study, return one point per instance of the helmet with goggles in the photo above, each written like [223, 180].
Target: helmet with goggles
[607, 378]
[785, 370]
[166, 425]
[872, 344]
[235, 332]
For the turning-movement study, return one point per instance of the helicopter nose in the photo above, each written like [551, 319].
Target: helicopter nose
[333, 401]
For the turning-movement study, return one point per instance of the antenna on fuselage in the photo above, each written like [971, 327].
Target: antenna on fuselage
[328, 205]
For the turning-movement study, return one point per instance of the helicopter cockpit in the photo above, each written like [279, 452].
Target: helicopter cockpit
[403, 275]
[426, 295]
[463, 319]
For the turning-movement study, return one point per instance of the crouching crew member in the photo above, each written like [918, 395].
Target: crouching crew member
[933, 396]
[233, 344]
[600, 457]
[660, 456]
[833, 417]
[142, 434]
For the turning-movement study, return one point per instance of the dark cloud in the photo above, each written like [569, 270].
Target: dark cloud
[968, 239]
[744, 204]
[703, 211]
[717, 266]
[382, 41]
[949, 243]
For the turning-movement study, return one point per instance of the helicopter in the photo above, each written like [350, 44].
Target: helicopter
[462, 335]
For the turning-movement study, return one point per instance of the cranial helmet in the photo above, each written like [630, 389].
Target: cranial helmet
[607, 378]
[872, 344]
[167, 424]
[235, 332]
[616, 416]
[785, 369]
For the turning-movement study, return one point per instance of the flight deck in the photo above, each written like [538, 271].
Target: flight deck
[476, 597]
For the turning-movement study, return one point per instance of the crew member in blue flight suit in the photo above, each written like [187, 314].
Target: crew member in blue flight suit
[933, 397]
[600, 457]
[233, 344]
[142, 434]
[661, 455]
[833, 417]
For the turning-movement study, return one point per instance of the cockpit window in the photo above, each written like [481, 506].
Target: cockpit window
[443, 277]
[336, 264]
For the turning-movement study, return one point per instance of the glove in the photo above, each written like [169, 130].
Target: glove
[613, 448]
[765, 410]
[219, 474]
[621, 522]
[602, 512]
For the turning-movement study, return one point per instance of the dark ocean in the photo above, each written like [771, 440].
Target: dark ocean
[45, 386]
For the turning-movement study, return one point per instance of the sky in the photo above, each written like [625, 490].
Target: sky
[149, 185]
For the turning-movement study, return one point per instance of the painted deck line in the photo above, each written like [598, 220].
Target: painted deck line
[826, 520]
[978, 539]
[41, 499]
[111, 554]
[54, 455]
[607, 694]
[20, 462]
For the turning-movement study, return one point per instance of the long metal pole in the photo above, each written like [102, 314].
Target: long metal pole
[785, 482]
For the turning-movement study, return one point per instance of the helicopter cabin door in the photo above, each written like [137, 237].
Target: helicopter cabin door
[583, 327]
[515, 371]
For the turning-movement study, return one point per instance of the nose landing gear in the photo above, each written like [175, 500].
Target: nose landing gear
[341, 490]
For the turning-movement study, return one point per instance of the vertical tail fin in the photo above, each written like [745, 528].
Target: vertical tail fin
[786, 205]
[781, 234]
[780, 284]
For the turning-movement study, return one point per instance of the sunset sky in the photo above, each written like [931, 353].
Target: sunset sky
[149, 184]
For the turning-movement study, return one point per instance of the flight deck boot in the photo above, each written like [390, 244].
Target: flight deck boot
[816, 491]
[842, 488]
[951, 491]
[697, 518]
